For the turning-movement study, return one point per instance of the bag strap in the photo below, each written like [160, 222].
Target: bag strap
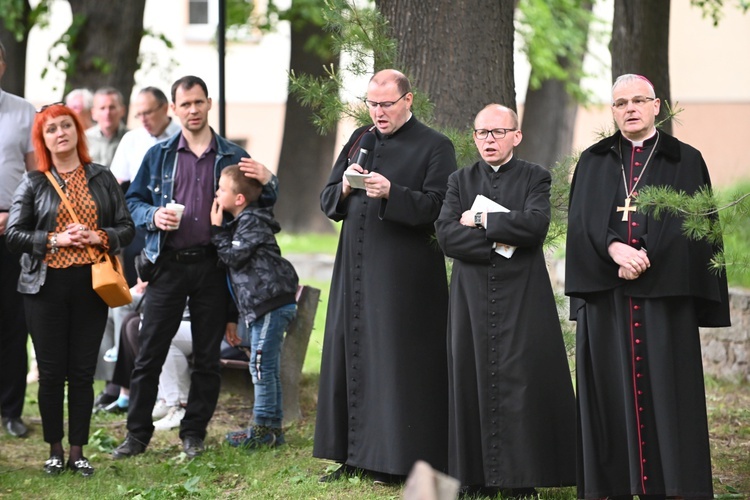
[67, 204]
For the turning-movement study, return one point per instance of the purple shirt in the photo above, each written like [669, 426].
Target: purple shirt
[194, 188]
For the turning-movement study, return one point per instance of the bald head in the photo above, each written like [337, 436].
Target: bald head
[496, 133]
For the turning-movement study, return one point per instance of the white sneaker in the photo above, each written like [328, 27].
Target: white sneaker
[160, 409]
[172, 420]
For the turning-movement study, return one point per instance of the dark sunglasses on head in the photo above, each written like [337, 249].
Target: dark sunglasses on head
[59, 103]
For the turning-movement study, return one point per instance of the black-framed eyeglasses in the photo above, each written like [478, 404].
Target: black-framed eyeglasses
[59, 103]
[497, 133]
[637, 101]
[384, 104]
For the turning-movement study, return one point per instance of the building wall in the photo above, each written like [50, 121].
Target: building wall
[710, 79]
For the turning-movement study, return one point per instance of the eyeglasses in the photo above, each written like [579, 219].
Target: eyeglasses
[148, 112]
[59, 103]
[385, 104]
[637, 101]
[497, 133]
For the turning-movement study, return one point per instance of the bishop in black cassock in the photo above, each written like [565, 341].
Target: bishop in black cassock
[639, 291]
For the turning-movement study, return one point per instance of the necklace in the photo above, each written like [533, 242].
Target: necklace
[629, 194]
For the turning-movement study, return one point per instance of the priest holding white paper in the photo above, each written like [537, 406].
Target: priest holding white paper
[511, 403]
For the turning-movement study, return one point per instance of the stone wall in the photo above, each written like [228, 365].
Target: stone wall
[726, 351]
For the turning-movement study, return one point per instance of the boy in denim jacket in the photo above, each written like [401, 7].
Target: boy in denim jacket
[263, 285]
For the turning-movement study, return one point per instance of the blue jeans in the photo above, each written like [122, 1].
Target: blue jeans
[266, 337]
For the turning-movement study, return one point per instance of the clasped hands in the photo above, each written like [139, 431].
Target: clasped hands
[376, 186]
[632, 262]
[78, 235]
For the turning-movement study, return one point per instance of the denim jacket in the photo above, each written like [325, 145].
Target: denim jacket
[153, 186]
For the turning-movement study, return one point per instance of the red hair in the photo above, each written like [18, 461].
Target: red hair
[43, 155]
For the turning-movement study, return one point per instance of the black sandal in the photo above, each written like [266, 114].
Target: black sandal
[53, 465]
[82, 467]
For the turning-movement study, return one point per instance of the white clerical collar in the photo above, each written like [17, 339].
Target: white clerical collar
[638, 144]
[493, 167]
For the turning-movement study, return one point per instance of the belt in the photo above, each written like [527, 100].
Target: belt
[192, 255]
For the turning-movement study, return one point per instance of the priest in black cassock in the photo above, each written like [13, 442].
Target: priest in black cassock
[383, 397]
[639, 291]
[512, 407]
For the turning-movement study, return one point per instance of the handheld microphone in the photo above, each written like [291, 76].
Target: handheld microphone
[366, 145]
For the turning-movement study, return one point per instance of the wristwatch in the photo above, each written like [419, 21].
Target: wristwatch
[478, 219]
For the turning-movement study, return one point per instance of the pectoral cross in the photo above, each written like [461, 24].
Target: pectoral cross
[627, 208]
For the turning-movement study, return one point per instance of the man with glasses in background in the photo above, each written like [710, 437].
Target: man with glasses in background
[511, 403]
[639, 289]
[383, 400]
[16, 157]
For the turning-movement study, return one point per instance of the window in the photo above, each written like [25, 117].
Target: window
[198, 12]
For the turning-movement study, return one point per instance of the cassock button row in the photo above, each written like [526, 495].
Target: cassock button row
[638, 358]
[636, 307]
[638, 375]
[634, 224]
[637, 324]
[634, 241]
[637, 341]
[638, 150]
[635, 178]
[637, 164]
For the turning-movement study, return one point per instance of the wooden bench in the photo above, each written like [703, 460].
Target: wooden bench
[236, 374]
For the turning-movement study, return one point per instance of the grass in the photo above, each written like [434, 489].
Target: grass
[288, 472]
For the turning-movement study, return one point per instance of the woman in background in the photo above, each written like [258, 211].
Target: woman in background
[65, 316]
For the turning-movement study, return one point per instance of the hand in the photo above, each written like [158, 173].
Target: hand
[79, 236]
[166, 219]
[231, 335]
[632, 262]
[346, 188]
[255, 170]
[140, 286]
[217, 214]
[377, 186]
[3, 222]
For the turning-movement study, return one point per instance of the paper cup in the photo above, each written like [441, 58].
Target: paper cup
[178, 209]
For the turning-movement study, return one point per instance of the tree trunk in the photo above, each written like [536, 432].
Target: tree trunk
[640, 44]
[14, 80]
[460, 53]
[306, 156]
[294, 351]
[105, 52]
[549, 116]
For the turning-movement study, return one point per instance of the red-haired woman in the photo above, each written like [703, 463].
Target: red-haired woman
[65, 316]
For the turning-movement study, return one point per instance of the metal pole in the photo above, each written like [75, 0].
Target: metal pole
[221, 39]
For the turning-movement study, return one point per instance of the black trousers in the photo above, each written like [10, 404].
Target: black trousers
[67, 320]
[204, 285]
[13, 335]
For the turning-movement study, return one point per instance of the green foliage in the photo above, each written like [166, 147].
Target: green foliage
[706, 216]
[713, 8]
[362, 34]
[13, 16]
[554, 31]
[61, 55]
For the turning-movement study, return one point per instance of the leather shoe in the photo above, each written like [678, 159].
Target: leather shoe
[15, 427]
[81, 466]
[342, 472]
[103, 399]
[129, 448]
[192, 446]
